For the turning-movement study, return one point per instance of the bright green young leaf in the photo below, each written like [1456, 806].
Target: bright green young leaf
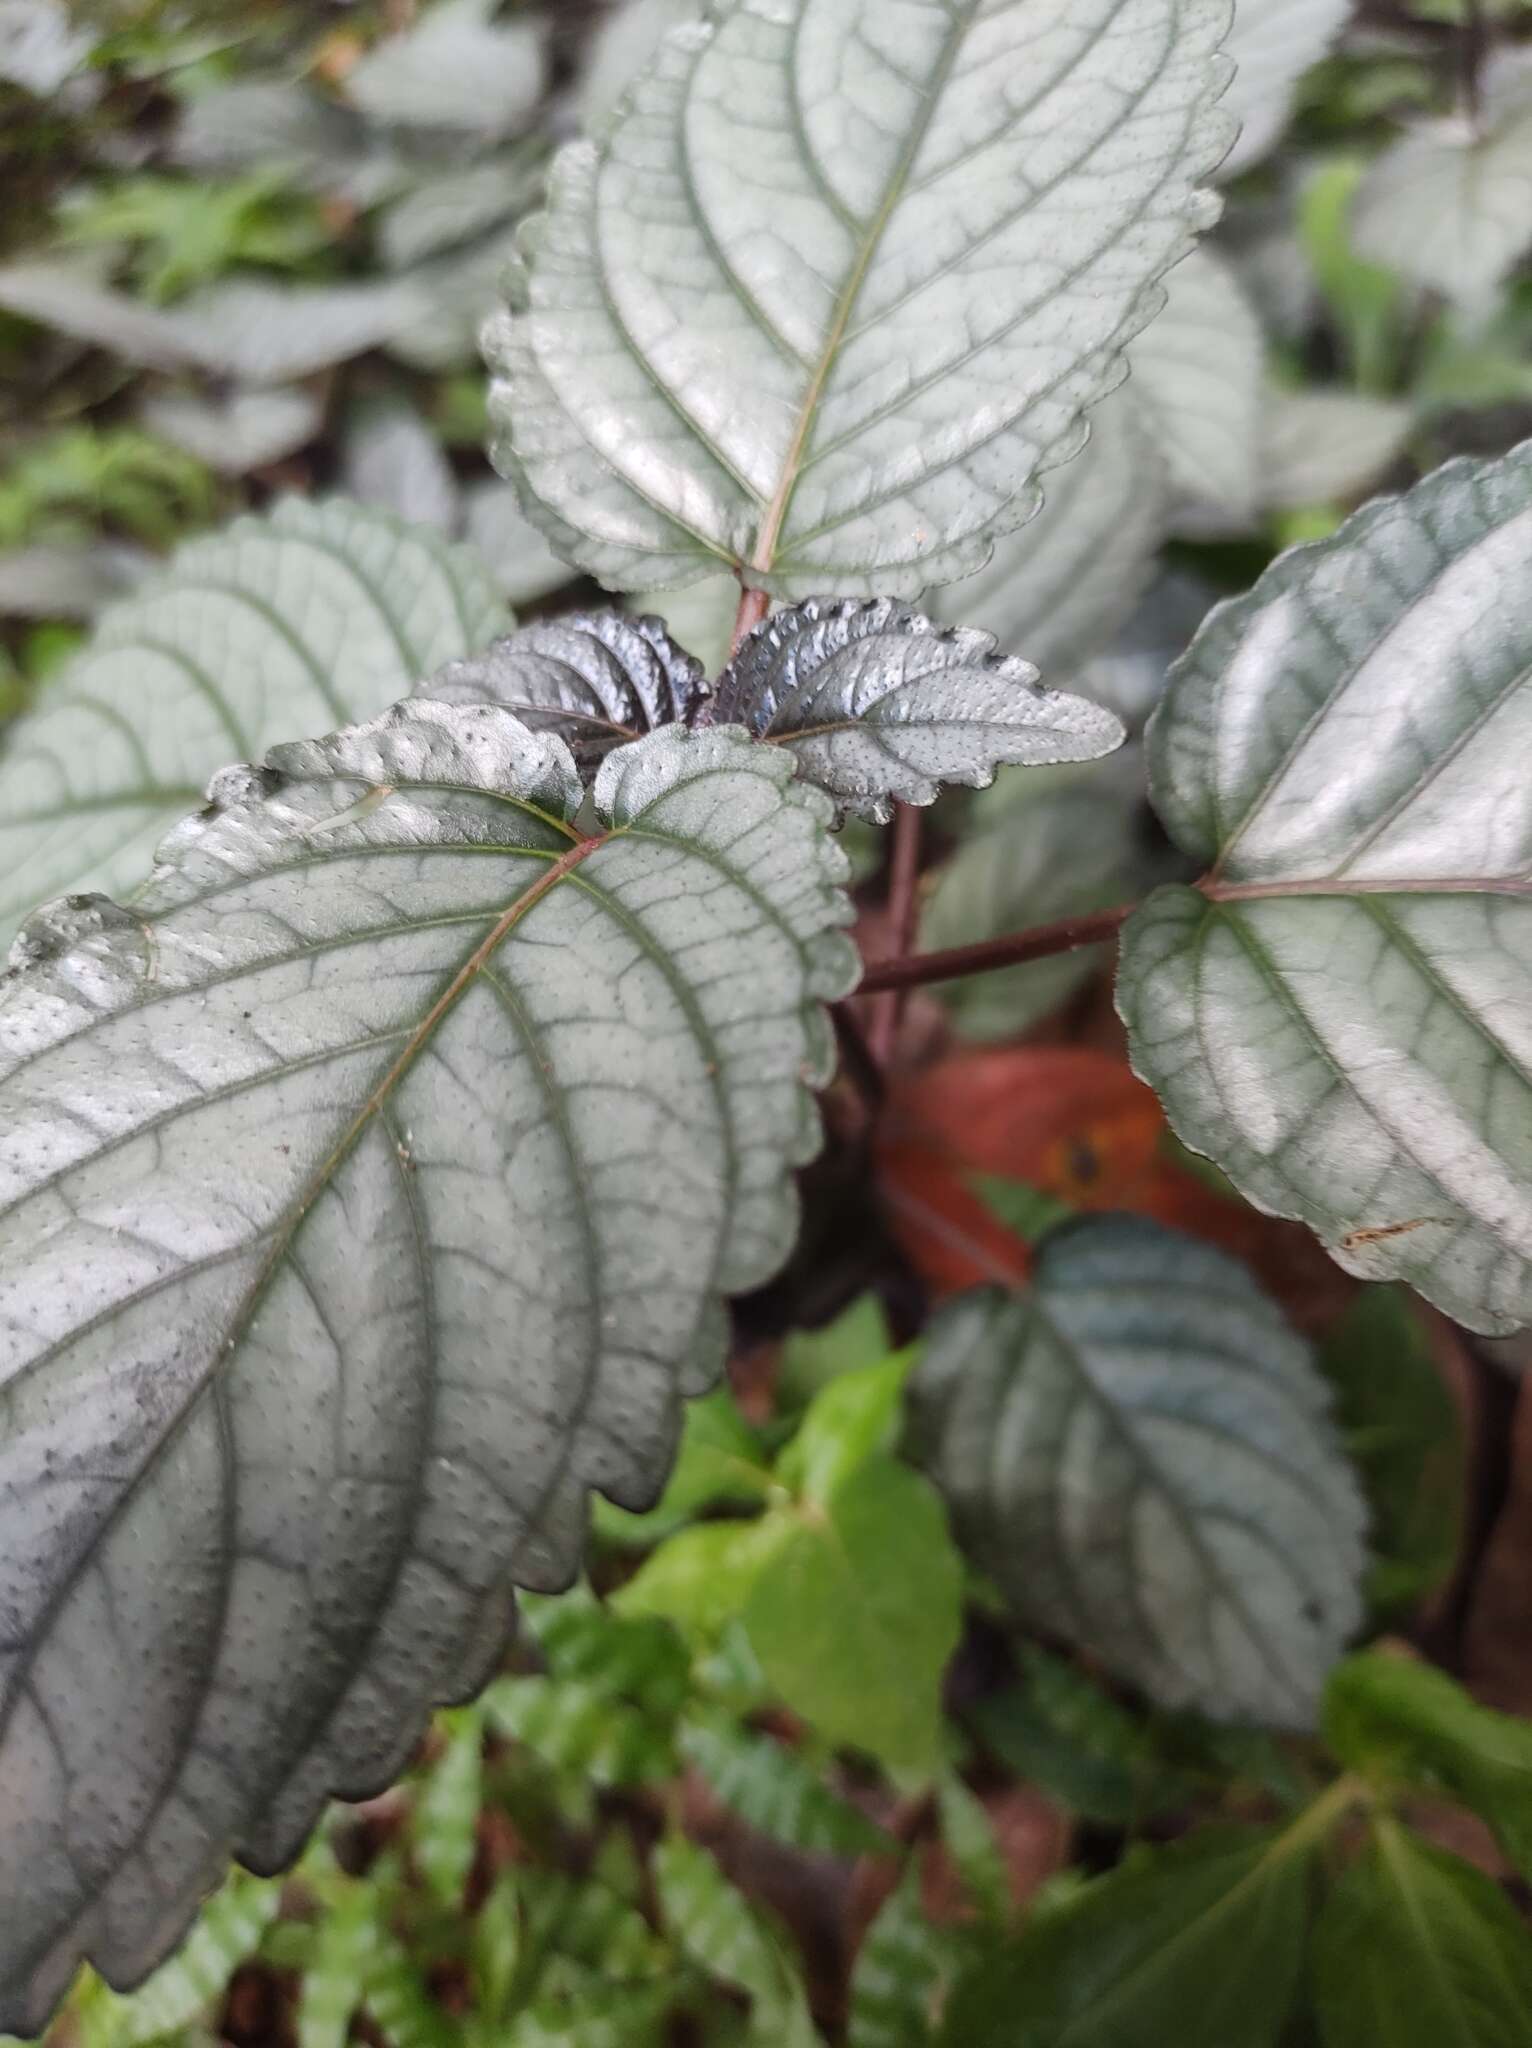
[1198, 372]
[1450, 206]
[856, 1613]
[701, 1578]
[1057, 589]
[1339, 1015]
[773, 1789]
[901, 1973]
[877, 705]
[596, 678]
[1403, 1431]
[811, 1359]
[1411, 1725]
[1140, 1453]
[839, 358]
[1200, 1945]
[853, 1419]
[1414, 1949]
[277, 628]
[387, 1054]
[721, 1463]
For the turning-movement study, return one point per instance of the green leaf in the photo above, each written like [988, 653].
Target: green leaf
[854, 1419]
[227, 1933]
[1200, 1944]
[855, 1614]
[775, 1790]
[596, 678]
[349, 1937]
[1413, 1726]
[1416, 1950]
[1337, 1016]
[700, 1578]
[840, 358]
[387, 1054]
[721, 1463]
[1405, 1437]
[581, 1729]
[720, 1932]
[1140, 1454]
[277, 628]
[1446, 207]
[1060, 1731]
[1198, 372]
[970, 1840]
[640, 1660]
[811, 1359]
[876, 705]
[1058, 588]
[401, 2005]
[446, 1817]
[902, 1970]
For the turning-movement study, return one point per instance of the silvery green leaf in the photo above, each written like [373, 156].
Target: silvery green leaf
[1339, 1014]
[1129, 676]
[456, 67]
[1322, 446]
[1273, 42]
[700, 615]
[391, 458]
[595, 678]
[370, 1193]
[451, 207]
[1053, 845]
[1140, 1452]
[70, 298]
[1450, 206]
[285, 126]
[40, 47]
[267, 333]
[448, 300]
[1058, 588]
[877, 704]
[244, 431]
[840, 357]
[514, 550]
[63, 580]
[1199, 373]
[255, 332]
[279, 625]
[623, 47]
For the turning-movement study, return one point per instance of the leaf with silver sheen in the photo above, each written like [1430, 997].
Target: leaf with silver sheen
[369, 1193]
[1341, 1014]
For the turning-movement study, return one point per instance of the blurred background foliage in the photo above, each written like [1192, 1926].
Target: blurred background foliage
[788, 1769]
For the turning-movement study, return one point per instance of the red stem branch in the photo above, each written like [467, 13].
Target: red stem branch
[753, 607]
[919, 970]
[904, 878]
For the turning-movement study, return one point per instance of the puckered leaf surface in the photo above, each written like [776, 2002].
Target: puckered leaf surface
[837, 355]
[597, 678]
[876, 703]
[1341, 1014]
[280, 626]
[1140, 1453]
[368, 1194]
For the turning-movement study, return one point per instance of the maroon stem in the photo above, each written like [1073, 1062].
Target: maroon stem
[1014, 950]
[904, 879]
[753, 607]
